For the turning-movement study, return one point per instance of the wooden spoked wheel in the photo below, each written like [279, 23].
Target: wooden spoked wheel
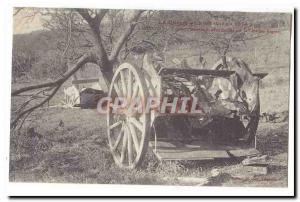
[128, 129]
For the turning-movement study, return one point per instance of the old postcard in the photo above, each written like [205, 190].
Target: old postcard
[150, 97]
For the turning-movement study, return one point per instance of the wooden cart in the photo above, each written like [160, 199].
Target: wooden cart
[130, 134]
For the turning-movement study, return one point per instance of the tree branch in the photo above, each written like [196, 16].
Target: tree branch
[17, 11]
[128, 31]
[69, 35]
[89, 57]
[102, 58]
[55, 84]
[20, 115]
[84, 14]
[100, 15]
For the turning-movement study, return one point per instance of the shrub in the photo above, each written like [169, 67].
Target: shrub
[49, 65]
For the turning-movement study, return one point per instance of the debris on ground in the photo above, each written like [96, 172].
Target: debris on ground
[71, 97]
[261, 160]
[196, 181]
[215, 172]
[257, 165]
[217, 178]
[250, 167]
[89, 98]
[274, 117]
[86, 98]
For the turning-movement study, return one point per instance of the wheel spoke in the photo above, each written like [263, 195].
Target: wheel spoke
[136, 123]
[129, 146]
[118, 140]
[124, 146]
[135, 91]
[117, 89]
[134, 138]
[123, 83]
[149, 84]
[141, 117]
[129, 84]
[115, 125]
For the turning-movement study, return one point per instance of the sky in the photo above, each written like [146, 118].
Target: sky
[26, 21]
[29, 19]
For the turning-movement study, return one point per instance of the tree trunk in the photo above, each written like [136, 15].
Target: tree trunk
[106, 66]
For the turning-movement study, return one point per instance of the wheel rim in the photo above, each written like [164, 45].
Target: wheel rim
[128, 132]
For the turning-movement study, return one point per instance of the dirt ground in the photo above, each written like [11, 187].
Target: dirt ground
[72, 147]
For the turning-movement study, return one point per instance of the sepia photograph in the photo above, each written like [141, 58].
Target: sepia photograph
[150, 97]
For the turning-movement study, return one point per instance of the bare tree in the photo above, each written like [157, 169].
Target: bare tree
[239, 28]
[98, 55]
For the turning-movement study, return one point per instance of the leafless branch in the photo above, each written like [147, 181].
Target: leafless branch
[69, 36]
[17, 11]
[20, 115]
[89, 57]
[128, 31]
[53, 85]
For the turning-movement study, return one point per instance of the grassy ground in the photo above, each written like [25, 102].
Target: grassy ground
[70, 145]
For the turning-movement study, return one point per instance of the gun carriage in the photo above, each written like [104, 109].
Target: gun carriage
[224, 126]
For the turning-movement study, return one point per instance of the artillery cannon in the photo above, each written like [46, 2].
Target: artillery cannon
[224, 124]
